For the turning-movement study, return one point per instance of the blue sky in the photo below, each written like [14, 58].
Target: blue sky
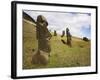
[86, 31]
[79, 24]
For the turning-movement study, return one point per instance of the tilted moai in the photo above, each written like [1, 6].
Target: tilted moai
[68, 35]
[55, 33]
[63, 33]
[43, 36]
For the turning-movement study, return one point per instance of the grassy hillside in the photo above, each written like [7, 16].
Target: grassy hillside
[61, 54]
[29, 41]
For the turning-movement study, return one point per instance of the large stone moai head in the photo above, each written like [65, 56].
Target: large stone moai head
[43, 34]
[42, 20]
[41, 56]
[41, 27]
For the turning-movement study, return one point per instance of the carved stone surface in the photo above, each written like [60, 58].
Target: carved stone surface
[41, 56]
[43, 34]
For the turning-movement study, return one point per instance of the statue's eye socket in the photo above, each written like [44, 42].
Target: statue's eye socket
[42, 21]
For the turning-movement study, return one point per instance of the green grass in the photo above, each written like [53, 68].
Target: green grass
[61, 54]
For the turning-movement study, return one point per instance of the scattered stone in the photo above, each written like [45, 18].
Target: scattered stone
[85, 39]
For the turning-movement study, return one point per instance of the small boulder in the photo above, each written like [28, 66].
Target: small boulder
[85, 39]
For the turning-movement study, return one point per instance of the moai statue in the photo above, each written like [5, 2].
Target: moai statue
[43, 34]
[41, 56]
[63, 33]
[68, 35]
[55, 33]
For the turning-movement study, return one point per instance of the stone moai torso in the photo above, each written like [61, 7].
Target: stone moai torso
[68, 35]
[43, 34]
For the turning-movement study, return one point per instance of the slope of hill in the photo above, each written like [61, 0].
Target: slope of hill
[29, 41]
[27, 17]
[61, 54]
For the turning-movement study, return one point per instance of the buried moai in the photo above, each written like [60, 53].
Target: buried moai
[43, 36]
[63, 33]
[55, 33]
[69, 39]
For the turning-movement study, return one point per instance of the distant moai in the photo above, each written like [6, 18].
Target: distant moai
[63, 33]
[43, 36]
[69, 39]
[55, 33]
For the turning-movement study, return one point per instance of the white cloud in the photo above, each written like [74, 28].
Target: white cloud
[60, 21]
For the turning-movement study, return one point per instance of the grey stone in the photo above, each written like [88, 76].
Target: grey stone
[40, 57]
[43, 34]
[55, 33]
[69, 37]
[63, 33]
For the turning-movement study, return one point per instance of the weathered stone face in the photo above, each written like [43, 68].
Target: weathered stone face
[42, 21]
[43, 34]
